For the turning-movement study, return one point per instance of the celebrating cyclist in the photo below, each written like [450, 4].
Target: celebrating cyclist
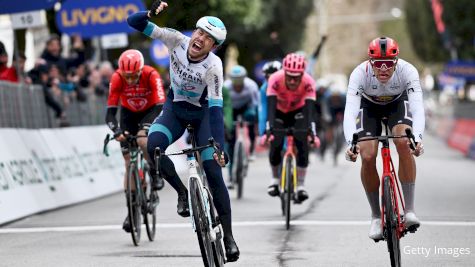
[385, 86]
[139, 91]
[290, 103]
[195, 98]
[268, 68]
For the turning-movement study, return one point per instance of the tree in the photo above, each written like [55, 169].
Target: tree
[459, 18]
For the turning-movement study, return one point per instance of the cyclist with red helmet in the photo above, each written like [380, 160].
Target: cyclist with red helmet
[385, 86]
[290, 103]
[138, 90]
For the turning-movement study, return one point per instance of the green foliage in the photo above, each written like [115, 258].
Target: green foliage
[425, 39]
[459, 18]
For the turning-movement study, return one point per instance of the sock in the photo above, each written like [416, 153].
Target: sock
[373, 199]
[301, 172]
[408, 192]
[275, 172]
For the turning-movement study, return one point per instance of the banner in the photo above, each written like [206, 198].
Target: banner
[9, 7]
[461, 69]
[92, 18]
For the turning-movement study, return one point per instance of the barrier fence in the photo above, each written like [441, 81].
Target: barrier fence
[23, 106]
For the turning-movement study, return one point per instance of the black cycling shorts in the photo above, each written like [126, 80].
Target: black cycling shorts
[369, 120]
[132, 122]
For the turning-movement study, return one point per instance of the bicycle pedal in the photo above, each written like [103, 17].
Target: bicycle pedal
[412, 228]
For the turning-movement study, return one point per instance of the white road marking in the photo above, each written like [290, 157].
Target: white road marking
[235, 224]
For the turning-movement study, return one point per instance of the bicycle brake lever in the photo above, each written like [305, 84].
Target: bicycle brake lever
[157, 155]
[412, 140]
[354, 142]
[106, 141]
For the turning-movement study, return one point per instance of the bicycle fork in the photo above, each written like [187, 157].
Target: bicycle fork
[193, 170]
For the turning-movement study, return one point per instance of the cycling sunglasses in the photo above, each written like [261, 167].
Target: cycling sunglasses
[131, 76]
[379, 63]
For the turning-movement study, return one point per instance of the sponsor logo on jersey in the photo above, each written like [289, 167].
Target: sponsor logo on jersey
[137, 103]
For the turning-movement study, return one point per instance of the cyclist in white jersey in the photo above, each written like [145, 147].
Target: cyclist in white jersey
[385, 86]
[244, 94]
[196, 77]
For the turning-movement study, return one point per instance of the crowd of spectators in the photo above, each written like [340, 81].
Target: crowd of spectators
[63, 79]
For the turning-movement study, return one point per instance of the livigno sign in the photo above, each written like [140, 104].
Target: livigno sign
[92, 18]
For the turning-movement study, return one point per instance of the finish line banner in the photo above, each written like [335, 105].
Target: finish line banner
[90, 18]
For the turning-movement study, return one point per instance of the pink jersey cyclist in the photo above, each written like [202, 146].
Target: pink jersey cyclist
[291, 101]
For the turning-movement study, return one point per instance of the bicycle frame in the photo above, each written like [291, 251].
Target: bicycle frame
[241, 125]
[290, 152]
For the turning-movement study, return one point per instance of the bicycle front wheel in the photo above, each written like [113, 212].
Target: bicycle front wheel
[391, 213]
[201, 223]
[239, 169]
[149, 209]
[133, 204]
[288, 190]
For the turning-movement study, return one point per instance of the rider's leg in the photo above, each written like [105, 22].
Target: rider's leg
[219, 191]
[303, 149]
[165, 130]
[250, 115]
[275, 159]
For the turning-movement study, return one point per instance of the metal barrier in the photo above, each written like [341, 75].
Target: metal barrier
[23, 106]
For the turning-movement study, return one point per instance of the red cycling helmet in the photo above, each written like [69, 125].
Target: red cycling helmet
[131, 61]
[294, 64]
[383, 47]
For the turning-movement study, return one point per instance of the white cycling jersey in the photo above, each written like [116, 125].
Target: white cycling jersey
[249, 95]
[363, 83]
[189, 79]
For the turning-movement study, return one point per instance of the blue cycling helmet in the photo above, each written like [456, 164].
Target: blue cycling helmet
[237, 71]
[214, 27]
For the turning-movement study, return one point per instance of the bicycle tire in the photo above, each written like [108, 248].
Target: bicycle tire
[149, 209]
[201, 223]
[288, 190]
[133, 204]
[218, 245]
[390, 213]
[239, 169]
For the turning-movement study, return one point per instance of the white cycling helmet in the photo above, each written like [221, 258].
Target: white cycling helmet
[214, 27]
[238, 71]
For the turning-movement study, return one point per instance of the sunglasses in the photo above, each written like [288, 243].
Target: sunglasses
[293, 78]
[131, 76]
[387, 63]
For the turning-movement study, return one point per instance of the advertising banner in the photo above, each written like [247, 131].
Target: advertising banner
[92, 18]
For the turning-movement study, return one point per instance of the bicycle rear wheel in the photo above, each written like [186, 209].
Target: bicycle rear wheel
[201, 223]
[133, 204]
[288, 190]
[390, 213]
[239, 169]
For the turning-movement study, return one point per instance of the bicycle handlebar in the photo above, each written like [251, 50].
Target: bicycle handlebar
[130, 139]
[408, 135]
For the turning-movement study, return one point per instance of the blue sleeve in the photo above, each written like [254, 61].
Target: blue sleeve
[138, 20]
[263, 109]
[216, 122]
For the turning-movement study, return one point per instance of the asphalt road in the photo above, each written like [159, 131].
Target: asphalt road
[330, 229]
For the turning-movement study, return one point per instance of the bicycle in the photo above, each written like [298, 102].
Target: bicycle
[288, 174]
[240, 156]
[141, 199]
[203, 215]
[392, 222]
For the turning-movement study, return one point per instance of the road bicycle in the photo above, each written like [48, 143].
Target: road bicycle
[392, 222]
[240, 156]
[203, 214]
[141, 199]
[288, 173]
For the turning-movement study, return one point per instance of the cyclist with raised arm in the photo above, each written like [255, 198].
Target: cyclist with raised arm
[385, 86]
[290, 103]
[268, 69]
[138, 90]
[195, 97]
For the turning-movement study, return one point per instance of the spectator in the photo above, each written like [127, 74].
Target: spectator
[6, 73]
[52, 54]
